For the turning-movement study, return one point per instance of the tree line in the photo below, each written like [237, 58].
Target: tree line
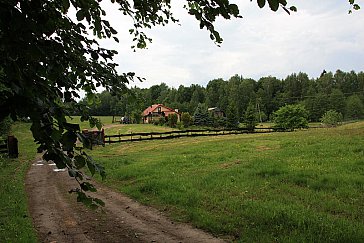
[341, 91]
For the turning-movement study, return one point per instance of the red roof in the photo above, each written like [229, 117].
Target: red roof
[155, 106]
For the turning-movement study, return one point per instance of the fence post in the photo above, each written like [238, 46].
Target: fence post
[13, 147]
[103, 136]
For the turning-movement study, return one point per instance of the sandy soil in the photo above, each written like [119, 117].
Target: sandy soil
[57, 217]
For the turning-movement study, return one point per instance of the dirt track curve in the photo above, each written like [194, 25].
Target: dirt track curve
[57, 217]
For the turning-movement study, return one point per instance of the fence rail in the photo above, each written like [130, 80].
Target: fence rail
[3, 146]
[119, 138]
[9, 146]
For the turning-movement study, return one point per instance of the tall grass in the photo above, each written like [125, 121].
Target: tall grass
[105, 120]
[137, 128]
[286, 187]
[15, 222]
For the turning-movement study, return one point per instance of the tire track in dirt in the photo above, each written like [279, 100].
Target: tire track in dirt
[57, 217]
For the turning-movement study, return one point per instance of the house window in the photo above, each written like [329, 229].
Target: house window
[159, 109]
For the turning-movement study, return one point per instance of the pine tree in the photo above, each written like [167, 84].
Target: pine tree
[250, 117]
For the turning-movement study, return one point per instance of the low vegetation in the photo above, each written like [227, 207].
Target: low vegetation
[15, 221]
[286, 187]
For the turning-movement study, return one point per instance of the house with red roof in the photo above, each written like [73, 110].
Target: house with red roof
[156, 111]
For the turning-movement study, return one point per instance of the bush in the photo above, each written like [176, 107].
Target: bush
[155, 122]
[172, 120]
[162, 121]
[5, 126]
[290, 117]
[332, 118]
[219, 122]
[186, 119]
[180, 125]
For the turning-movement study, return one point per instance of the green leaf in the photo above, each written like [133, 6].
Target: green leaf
[72, 173]
[95, 122]
[94, 55]
[283, 2]
[234, 9]
[49, 156]
[86, 142]
[293, 8]
[67, 96]
[91, 165]
[60, 163]
[90, 98]
[68, 140]
[80, 15]
[99, 202]
[86, 186]
[261, 3]
[99, 168]
[56, 135]
[113, 31]
[66, 5]
[71, 126]
[80, 161]
[273, 4]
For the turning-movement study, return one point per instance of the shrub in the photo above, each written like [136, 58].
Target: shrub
[186, 119]
[332, 118]
[5, 126]
[172, 120]
[162, 121]
[156, 122]
[180, 125]
[290, 117]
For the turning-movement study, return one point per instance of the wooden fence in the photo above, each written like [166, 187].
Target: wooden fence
[3, 146]
[178, 134]
[9, 146]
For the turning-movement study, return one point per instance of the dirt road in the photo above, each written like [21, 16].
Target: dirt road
[57, 216]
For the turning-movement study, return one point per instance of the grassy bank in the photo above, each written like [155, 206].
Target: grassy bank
[286, 187]
[15, 222]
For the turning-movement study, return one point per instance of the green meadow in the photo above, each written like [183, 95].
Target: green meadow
[302, 186]
[15, 221]
[117, 128]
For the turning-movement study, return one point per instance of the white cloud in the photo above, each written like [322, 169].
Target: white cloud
[319, 36]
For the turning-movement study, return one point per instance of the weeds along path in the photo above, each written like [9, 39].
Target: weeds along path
[57, 217]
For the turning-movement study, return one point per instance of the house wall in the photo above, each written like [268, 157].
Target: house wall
[157, 113]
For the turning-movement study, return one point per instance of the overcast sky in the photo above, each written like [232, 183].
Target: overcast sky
[321, 35]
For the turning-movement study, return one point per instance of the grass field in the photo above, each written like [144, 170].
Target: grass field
[287, 187]
[136, 128]
[305, 186]
[106, 120]
[117, 128]
[15, 222]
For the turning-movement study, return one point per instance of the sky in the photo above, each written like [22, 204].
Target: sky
[321, 35]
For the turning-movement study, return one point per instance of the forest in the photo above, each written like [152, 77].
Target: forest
[340, 91]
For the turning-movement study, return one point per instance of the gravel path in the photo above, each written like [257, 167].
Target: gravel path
[58, 217]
